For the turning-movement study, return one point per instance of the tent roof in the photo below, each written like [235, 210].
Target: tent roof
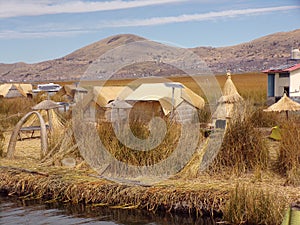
[284, 104]
[4, 89]
[160, 92]
[118, 104]
[106, 94]
[46, 104]
[71, 89]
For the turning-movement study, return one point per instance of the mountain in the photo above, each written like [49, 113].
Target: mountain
[256, 55]
[69, 67]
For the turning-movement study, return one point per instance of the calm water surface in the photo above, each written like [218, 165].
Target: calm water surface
[14, 211]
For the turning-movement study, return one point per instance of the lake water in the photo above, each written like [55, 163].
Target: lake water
[14, 211]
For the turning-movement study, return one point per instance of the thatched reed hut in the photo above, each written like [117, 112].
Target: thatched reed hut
[226, 103]
[95, 103]
[72, 93]
[164, 99]
[15, 90]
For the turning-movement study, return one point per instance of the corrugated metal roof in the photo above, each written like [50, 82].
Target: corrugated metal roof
[283, 68]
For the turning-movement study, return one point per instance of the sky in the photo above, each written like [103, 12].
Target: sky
[37, 30]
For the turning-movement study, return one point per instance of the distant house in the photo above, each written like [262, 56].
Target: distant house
[15, 90]
[50, 88]
[284, 79]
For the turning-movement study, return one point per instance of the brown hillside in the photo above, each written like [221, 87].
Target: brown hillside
[256, 55]
[69, 67]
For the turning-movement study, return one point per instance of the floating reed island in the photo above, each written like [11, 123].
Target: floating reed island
[247, 179]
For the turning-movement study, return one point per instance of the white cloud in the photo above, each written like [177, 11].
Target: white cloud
[10, 34]
[15, 8]
[54, 30]
[197, 17]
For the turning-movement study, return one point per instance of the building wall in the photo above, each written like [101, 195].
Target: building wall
[295, 83]
[280, 83]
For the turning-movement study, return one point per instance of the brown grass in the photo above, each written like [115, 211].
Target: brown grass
[243, 148]
[248, 205]
[137, 157]
[12, 110]
[289, 152]
[250, 85]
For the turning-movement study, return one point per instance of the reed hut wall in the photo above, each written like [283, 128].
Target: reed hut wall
[144, 111]
[186, 113]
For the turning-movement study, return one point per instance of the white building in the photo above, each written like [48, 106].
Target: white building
[285, 78]
[51, 87]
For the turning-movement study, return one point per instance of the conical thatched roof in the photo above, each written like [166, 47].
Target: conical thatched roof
[230, 93]
[284, 104]
[227, 102]
[46, 104]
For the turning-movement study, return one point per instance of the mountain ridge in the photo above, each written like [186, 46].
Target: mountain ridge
[256, 55]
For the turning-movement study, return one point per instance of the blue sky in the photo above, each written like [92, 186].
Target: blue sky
[37, 30]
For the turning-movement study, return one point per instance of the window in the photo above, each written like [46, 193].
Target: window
[282, 75]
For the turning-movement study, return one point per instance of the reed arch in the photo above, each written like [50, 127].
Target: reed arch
[13, 139]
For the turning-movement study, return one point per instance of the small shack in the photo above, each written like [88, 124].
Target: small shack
[164, 99]
[15, 90]
[95, 103]
[284, 79]
[72, 93]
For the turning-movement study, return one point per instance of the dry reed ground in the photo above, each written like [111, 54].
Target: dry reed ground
[206, 194]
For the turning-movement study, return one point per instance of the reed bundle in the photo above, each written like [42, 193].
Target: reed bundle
[80, 188]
